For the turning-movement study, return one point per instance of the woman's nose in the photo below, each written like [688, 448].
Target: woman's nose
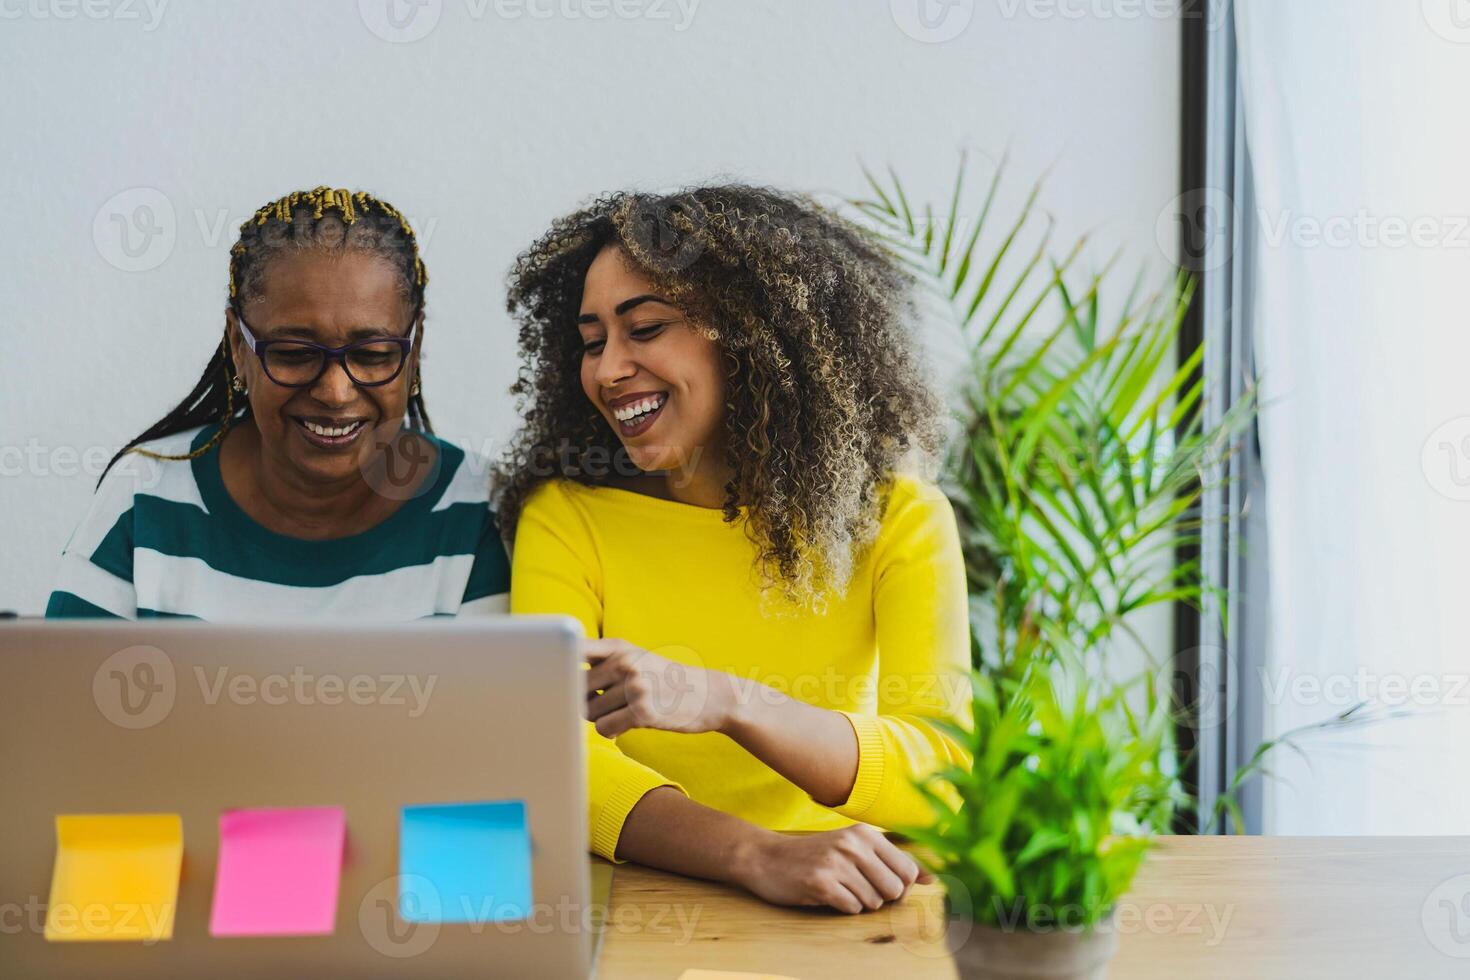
[334, 387]
[615, 364]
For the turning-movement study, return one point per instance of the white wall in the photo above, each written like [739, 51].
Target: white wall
[482, 130]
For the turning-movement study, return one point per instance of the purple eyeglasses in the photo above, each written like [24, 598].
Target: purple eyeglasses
[299, 363]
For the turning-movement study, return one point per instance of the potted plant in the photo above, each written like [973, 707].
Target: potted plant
[1036, 840]
[1080, 456]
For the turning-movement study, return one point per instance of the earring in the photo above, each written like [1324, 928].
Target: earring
[415, 388]
[238, 385]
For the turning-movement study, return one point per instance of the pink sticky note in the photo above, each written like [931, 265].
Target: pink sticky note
[278, 872]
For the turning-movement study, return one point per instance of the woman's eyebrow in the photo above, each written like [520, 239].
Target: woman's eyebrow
[358, 333]
[625, 306]
[628, 304]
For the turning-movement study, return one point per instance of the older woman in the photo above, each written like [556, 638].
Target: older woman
[711, 480]
[300, 477]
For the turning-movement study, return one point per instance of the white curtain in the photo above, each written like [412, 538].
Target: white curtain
[1357, 140]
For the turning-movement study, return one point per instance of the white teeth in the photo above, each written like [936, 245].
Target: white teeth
[630, 412]
[326, 430]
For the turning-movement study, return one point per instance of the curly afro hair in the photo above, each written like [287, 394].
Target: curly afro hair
[824, 396]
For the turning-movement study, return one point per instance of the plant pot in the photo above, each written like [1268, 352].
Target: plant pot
[985, 952]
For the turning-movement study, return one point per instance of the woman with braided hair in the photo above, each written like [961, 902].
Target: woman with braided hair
[300, 476]
[713, 477]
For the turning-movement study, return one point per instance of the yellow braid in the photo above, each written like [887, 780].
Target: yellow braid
[224, 423]
[320, 201]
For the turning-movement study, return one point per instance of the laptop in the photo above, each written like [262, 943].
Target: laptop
[235, 763]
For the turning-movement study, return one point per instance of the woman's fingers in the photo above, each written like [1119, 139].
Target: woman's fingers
[856, 881]
[885, 879]
[841, 898]
[615, 723]
[596, 650]
[901, 864]
[605, 673]
[609, 700]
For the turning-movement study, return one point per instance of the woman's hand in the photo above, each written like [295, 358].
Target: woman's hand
[639, 689]
[850, 870]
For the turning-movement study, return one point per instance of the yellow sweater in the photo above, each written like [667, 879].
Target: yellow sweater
[672, 578]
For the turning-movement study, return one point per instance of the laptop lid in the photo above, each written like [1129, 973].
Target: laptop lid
[194, 720]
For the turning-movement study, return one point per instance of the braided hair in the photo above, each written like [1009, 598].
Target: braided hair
[320, 219]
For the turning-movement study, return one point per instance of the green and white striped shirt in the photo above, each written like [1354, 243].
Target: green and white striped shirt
[164, 538]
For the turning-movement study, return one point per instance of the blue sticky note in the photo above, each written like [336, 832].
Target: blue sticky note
[464, 862]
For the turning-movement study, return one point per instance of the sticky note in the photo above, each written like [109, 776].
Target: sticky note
[727, 975]
[278, 872]
[116, 877]
[464, 862]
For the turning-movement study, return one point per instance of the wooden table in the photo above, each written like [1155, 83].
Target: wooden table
[1294, 908]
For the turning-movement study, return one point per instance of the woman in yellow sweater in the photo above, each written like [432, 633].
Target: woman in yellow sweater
[720, 402]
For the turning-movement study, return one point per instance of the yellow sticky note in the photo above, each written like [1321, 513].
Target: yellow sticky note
[116, 877]
[727, 975]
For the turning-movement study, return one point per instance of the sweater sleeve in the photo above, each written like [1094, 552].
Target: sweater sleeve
[95, 578]
[922, 622]
[554, 569]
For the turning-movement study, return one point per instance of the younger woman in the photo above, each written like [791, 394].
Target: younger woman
[720, 400]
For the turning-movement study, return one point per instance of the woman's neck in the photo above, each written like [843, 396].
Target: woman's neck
[282, 501]
[704, 486]
[701, 485]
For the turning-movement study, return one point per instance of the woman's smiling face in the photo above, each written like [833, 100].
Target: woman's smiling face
[656, 379]
[324, 432]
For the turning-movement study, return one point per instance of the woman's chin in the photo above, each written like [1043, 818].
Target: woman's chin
[327, 467]
[653, 459]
